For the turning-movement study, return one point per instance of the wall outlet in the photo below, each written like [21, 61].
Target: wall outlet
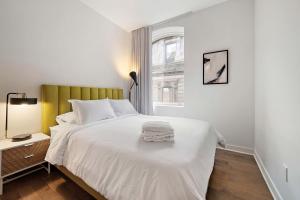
[286, 171]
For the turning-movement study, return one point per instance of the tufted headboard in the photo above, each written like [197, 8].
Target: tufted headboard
[55, 100]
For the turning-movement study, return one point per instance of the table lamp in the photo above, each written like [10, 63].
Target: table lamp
[18, 101]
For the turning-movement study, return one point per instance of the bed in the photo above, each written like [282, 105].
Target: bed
[110, 160]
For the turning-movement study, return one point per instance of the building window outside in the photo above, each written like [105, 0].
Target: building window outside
[168, 71]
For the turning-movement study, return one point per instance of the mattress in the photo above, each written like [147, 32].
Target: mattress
[112, 158]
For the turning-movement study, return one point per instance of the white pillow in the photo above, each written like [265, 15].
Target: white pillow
[87, 111]
[68, 117]
[122, 107]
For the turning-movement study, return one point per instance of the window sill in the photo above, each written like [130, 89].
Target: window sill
[169, 106]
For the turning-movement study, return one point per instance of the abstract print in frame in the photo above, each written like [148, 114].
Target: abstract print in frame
[215, 67]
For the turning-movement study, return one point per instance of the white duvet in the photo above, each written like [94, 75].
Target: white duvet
[111, 157]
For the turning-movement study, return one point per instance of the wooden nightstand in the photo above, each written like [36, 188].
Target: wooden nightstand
[18, 156]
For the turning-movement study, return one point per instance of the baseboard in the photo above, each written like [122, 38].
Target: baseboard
[245, 150]
[238, 149]
[272, 187]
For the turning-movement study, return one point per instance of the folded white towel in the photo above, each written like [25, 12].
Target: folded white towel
[158, 136]
[157, 126]
[157, 133]
[161, 139]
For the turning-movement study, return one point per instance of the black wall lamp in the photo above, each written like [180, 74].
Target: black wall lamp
[134, 78]
[18, 101]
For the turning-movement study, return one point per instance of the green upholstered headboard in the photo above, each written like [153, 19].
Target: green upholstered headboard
[55, 100]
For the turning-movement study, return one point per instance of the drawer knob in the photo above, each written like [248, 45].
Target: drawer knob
[27, 145]
[29, 156]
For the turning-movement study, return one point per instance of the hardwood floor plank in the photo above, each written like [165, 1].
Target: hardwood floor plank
[235, 177]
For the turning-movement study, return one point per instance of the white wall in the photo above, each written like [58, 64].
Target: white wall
[277, 92]
[56, 42]
[229, 107]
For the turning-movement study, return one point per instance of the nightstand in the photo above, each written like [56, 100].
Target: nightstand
[18, 157]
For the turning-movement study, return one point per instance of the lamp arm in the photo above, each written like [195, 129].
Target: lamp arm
[130, 91]
[131, 86]
[7, 100]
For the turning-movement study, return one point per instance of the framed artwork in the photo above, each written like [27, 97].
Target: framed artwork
[215, 67]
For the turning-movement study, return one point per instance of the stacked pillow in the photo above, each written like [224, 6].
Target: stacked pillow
[87, 111]
[68, 117]
[122, 107]
[91, 110]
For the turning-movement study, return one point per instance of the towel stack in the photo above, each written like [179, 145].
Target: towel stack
[157, 131]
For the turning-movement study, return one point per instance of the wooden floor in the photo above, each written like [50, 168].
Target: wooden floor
[235, 177]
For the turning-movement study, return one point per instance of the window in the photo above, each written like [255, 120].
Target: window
[168, 71]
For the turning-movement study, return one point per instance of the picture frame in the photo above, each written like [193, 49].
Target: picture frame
[215, 67]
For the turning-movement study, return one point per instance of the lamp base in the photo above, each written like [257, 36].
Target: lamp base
[21, 137]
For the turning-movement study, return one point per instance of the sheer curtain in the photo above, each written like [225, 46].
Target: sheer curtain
[141, 63]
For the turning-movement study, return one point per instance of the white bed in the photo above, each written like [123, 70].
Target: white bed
[110, 157]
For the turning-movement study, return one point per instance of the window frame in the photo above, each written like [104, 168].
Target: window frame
[172, 90]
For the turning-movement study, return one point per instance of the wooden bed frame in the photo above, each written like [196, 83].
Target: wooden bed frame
[81, 183]
[55, 102]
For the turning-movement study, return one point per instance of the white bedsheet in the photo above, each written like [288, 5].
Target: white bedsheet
[111, 157]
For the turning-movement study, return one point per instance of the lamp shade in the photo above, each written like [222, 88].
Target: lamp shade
[133, 76]
[20, 101]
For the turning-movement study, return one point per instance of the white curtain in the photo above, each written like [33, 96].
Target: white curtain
[141, 63]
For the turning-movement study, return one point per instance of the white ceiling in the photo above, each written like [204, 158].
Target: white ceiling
[133, 14]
